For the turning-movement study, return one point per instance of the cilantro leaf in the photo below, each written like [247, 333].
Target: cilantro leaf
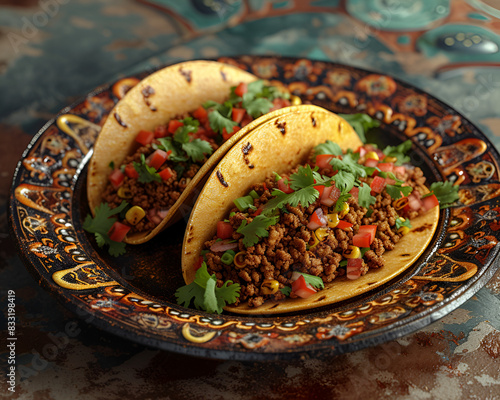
[314, 281]
[395, 191]
[400, 223]
[339, 205]
[361, 123]
[286, 290]
[256, 229]
[218, 122]
[176, 155]
[399, 152]
[446, 193]
[182, 133]
[205, 294]
[365, 199]
[256, 106]
[102, 223]
[328, 147]
[146, 173]
[302, 178]
[197, 149]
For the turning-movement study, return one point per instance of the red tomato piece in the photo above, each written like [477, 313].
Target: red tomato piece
[344, 225]
[284, 187]
[378, 184]
[317, 219]
[353, 268]
[323, 160]
[258, 212]
[361, 239]
[385, 166]
[224, 230]
[241, 89]
[371, 162]
[429, 202]
[116, 178]
[354, 192]
[399, 169]
[118, 231]
[226, 136]
[157, 159]
[145, 137]
[414, 201]
[320, 189]
[131, 172]
[330, 196]
[371, 229]
[173, 125]
[166, 174]
[161, 131]
[200, 114]
[301, 289]
[279, 103]
[246, 120]
[237, 114]
[197, 266]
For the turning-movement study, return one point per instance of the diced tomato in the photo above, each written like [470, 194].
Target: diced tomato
[353, 268]
[241, 89]
[362, 151]
[161, 131]
[320, 189]
[301, 289]
[237, 114]
[385, 166]
[224, 230]
[399, 169]
[246, 120]
[284, 187]
[317, 219]
[330, 196]
[278, 103]
[131, 172]
[258, 212]
[166, 174]
[198, 264]
[118, 231]
[116, 177]
[173, 125]
[378, 184]
[371, 229]
[200, 114]
[354, 192]
[226, 136]
[429, 202]
[323, 160]
[344, 225]
[145, 137]
[414, 201]
[371, 162]
[361, 239]
[157, 159]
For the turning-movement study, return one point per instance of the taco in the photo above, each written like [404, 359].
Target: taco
[164, 136]
[319, 218]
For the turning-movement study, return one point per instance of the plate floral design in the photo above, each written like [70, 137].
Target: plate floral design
[132, 296]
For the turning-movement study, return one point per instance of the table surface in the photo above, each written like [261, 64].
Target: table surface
[55, 51]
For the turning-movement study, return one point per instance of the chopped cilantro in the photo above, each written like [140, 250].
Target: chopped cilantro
[446, 193]
[363, 250]
[102, 223]
[339, 205]
[398, 191]
[256, 229]
[256, 106]
[400, 222]
[365, 199]
[328, 147]
[399, 152]
[286, 290]
[205, 294]
[302, 178]
[219, 122]
[314, 281]
[111, 164]
[146, 173]
[361, 123]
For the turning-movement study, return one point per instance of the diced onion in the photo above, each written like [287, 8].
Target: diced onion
[223, 245]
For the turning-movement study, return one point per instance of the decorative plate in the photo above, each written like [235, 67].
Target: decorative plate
[133, 296]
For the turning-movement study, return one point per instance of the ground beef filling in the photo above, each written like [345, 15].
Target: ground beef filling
[286, 249]
[158, 196]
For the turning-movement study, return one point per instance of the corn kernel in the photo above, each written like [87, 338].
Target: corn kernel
[333, 220]
[124, 192]
[400, 203]
[316, 241]
[372, 155]
[390, 159]
[134, 215]
[239, 260]
[269, 286]
[352, 252]
[295, 100]
[345, 210]
[321, 233]
[404, 230]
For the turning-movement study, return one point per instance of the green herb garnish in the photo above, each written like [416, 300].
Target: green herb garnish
[446, 193]
[256, 229]
[399, 152]
[146, 173]
[361, 123]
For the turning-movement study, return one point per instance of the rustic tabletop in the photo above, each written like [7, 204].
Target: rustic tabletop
[53, 52]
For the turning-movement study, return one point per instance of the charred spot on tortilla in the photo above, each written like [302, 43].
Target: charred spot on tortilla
[251, 166]
[313, 121]
[281, 126]
[224, 76]
[221, 179]
[246, 149]
[119, 120]
[186, 74]
[422, 228]
[147, 92]
[321, 298]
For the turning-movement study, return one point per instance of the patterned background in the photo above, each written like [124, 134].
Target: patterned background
[53, 52]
